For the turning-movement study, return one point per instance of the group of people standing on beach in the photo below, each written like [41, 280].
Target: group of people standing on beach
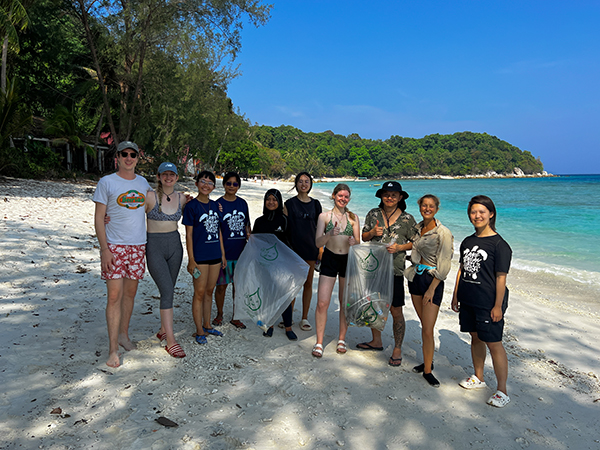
[217, 231]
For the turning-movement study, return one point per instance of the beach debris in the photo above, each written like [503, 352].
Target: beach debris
[56, 411]
[166, 422]
[107, 372]
[81, 269]
[80, 421]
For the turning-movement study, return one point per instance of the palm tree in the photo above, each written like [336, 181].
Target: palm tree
[13, 18]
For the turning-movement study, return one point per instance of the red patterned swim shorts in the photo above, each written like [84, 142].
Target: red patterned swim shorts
[130, 262]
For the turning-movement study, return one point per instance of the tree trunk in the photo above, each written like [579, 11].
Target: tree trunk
[88, 34]
[4, 63]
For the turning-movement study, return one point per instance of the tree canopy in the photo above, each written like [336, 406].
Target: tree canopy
[157, 72]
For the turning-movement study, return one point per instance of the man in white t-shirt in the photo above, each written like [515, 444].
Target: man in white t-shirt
[122, 196]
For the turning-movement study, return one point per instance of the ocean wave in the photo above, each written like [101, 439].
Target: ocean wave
[582, 276]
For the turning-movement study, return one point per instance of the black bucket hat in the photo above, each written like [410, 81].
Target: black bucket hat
[391, 186]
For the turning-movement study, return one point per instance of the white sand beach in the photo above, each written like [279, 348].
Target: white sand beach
[246, 391]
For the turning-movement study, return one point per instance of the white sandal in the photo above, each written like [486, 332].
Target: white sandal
[341, 347]
[317, 351]
[305, 325]
[499, 399]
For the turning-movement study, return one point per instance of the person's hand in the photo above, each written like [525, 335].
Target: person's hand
[107, 260]
[335, 230]
[188, 197]
[454, 305]
[377, 230]
[190, 267]
[220, 207]
[223, 262]
[393, 248]
[496, 314]
[351, 240]
[106, 219]
[428, 297]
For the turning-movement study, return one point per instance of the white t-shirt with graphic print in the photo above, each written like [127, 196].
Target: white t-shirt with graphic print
[125, 202]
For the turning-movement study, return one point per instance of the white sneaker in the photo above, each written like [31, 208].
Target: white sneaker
[499, 399]
[472, 383]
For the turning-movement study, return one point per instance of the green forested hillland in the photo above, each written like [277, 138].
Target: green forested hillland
[329, 154]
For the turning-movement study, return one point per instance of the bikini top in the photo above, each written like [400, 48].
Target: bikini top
[349, 231]
[160, 216]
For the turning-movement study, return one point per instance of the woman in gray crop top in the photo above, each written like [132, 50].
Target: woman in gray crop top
[164, 251]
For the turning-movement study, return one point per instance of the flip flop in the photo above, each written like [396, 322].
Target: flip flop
[367, 346]
[395, 362]
[238, 324]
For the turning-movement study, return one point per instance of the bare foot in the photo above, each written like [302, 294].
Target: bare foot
[126, 343]
[113, 360]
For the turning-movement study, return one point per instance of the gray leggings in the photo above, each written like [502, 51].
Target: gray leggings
[163, 256]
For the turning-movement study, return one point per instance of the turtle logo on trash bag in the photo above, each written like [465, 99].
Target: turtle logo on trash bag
[269, 253]
[253, 301]
[370, 263]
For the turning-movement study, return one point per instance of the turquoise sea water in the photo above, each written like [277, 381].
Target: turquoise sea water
[552, 224]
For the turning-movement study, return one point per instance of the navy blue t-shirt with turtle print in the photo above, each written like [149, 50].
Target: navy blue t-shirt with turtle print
[205, 220]
[481, 259]
[234, 220]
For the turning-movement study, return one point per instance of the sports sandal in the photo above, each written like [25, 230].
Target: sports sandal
[175, 351]
[499, 399]
[472, 383]
[305, 325]
[217, 321]
[201, 339]
[212, 331]
[317, 351]
[161, 336]
[341, 347]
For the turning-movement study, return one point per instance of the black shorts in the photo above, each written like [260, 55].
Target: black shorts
[398, 297]
[333, 264]
[473, 319]
[209, 262]
[420, 284]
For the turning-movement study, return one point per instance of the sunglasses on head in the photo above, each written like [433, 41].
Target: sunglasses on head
[232, 183]
[125, 154]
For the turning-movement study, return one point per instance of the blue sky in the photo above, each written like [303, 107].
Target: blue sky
[525, 71]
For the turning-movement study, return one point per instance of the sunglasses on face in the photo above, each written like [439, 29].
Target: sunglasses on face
[232, 183]
[206, 182]
[125, 154]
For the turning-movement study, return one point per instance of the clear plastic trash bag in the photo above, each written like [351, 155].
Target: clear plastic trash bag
[369, 286]
[268, 275]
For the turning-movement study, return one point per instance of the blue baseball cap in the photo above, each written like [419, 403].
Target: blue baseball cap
[167, 166]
